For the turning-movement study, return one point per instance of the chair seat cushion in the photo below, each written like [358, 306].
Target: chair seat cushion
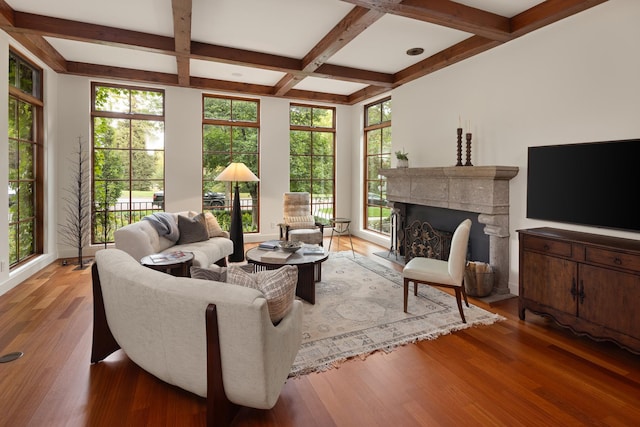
[306, 235]
[429, 270]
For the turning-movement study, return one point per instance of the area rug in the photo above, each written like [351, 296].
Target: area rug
[390, 256]
[359, 310]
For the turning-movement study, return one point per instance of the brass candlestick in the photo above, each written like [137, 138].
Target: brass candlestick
[468, 150]
[459, 147]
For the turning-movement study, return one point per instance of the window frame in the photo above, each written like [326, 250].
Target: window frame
[135, 210]
[385, 162]
[316, 207]
[37, 103]
[223, 212]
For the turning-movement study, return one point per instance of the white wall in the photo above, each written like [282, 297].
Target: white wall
[574, 81]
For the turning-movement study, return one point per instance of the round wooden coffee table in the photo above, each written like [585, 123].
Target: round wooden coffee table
[309, 268]
[174, 263]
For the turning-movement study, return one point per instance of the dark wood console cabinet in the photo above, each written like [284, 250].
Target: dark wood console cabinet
[586, 282]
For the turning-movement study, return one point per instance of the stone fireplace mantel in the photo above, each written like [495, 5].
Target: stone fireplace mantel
[478, 189]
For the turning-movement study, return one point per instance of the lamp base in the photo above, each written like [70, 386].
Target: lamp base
[235, 232]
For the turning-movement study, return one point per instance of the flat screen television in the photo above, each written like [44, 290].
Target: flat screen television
[595, 184]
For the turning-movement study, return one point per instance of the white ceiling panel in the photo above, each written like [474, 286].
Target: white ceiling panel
[234, 73]
[113, 56]
[317, 84]
[382, 47]
[506, 8]
[288, 28]
[147, 16]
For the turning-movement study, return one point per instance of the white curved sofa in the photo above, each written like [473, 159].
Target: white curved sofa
[140, 239]
[213, 339]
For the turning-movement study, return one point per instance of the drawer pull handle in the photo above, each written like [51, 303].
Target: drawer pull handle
[573, 289]
[546, 247]
[617, 261]
[581, 294]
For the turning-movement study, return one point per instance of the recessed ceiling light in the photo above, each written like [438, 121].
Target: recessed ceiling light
[415, 51]
[236, 74]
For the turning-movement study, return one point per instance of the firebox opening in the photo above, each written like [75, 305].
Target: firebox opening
[447, 220]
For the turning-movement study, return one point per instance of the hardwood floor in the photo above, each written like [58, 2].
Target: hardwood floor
[512, 373]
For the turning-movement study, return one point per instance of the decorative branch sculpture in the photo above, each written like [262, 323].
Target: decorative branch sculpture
[76, 229]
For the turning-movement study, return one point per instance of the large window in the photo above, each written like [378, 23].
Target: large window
[25, 140]
[312, 137]
[377, 132]
[230, 133]
[128, 157]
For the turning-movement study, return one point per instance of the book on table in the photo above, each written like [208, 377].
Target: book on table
[269, 245]
[312, 250]
[275, 256]
[175, 256]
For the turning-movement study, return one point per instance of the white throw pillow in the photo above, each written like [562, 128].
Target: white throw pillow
[278, 287]
[212, 225]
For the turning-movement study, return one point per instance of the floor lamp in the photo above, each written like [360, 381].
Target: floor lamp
[236, 172]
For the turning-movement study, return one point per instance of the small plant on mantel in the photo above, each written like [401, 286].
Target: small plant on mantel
[403, 159]
[401, 155]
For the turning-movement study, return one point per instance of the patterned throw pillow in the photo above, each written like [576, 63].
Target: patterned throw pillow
[278, 287]
[215, 272]
[192, 229]
[212, 225]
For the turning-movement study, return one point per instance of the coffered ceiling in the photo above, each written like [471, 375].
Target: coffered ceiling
[323, 50]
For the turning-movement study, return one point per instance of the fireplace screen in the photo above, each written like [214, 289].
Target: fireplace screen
[422, 240]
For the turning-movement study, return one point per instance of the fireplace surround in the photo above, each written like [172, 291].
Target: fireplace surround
[481, 190]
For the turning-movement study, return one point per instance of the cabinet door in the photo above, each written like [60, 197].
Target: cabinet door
[610, 298]
[549, 280]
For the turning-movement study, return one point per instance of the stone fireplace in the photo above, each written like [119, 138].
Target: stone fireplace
[480, 192]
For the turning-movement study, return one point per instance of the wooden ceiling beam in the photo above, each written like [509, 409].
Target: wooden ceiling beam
[100, 34]
[366, 93]
[230, 55]
[446, 13]
[42, 49]
[6, 14]
[182, 38]
[286, 83]
[547, 13]
[354, 23]
[35, 44]
[490, 30]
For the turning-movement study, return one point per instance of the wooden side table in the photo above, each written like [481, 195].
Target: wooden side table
[175, 263]
[341, 228]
